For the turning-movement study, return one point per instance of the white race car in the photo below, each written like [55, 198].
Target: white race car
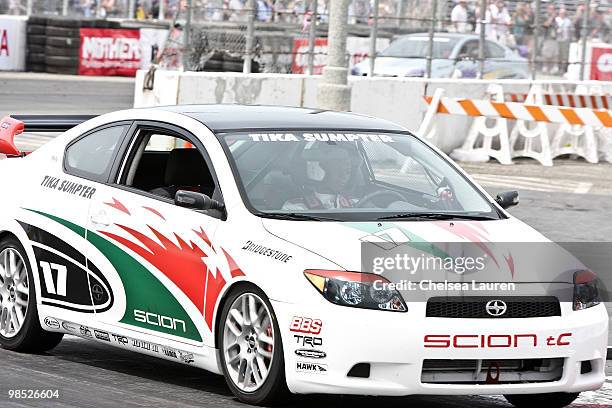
[231, 238]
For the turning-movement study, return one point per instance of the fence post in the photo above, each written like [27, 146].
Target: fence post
[481, 40]
[131, 9]
[162, 10]
[536, 40]
[187, 36]
[333, 91]
[584, 33]
[373, 37]
[250, 33]
[432, 28]
[401, 10]
[312, 37]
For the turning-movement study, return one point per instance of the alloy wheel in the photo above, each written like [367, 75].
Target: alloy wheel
[248, 342]
[14, 292]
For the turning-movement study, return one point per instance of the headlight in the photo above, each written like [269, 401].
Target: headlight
[356, 289]
[586, 293]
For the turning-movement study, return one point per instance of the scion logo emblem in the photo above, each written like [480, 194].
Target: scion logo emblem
[97, 292]
[496, 308]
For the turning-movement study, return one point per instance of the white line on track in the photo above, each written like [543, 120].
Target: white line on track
[533, 183]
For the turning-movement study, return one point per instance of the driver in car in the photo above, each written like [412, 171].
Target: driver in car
[328, 193]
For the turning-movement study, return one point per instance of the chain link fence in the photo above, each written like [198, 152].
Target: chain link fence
[459, 39]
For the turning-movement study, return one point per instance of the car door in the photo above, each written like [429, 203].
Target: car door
[496, 63]
[162, 256]
[55, 217]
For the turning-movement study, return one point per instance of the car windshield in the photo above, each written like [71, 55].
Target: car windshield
[329, 175]
[418, 47]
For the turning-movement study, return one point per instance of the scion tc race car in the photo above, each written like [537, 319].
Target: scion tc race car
[230, 238]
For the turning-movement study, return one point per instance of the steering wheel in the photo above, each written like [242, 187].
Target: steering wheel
[379, 193]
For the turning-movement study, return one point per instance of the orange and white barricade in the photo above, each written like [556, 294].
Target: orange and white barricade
[531, 112]
[529, 138]
[473, 149]
[575, 139]
[576, 100]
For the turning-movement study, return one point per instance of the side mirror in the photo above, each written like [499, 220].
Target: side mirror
[507, 199]
[196, 201]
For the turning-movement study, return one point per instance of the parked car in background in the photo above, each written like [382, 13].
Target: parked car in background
[454, 56]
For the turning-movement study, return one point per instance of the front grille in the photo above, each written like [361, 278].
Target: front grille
[503, 371]
[474, 307]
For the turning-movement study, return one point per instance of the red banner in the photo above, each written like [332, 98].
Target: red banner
[109, 52]
[601, 64]
[300, 56]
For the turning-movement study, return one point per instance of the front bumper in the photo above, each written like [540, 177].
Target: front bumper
[393, 345]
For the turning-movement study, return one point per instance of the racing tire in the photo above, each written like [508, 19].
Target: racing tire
[551, 400]
[52, 69]
[52, 31]
[213, 65]
[35, 49]
[35, 58]
[63, 42]
[36, 67]
[36, 39]
[273, 386]
[67, 22]
[36, 29]
[38, 20]
[61, 52]
[70, 62]
[30, 336]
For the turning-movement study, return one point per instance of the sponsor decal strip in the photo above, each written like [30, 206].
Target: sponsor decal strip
[309, 367]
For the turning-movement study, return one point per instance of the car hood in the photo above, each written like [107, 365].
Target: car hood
[507, 241]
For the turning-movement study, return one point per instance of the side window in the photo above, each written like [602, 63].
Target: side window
[91, 156]
[469, 49]
[494, 51]
[161, 163]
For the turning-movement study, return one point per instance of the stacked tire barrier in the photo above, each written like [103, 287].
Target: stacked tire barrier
[54, 43]
[36, 41]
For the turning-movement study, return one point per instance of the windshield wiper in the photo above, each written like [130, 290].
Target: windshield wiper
[297, 217]
[437, 216]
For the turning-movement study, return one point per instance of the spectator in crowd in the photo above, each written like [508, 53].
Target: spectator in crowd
[359, 12]
[264, 10]
[489, 28]
[599, 30]
[15, 7]
[236, 10]
[564, 38]
[500, 19]
[459, 17]
[549, 50]
[522, 24]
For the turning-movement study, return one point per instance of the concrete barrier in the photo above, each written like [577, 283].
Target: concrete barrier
[399, 100]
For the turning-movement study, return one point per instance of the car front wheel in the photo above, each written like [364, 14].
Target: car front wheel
[251, 348]
[551, 400]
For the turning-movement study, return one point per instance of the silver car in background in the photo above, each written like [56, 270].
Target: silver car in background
[454, 56]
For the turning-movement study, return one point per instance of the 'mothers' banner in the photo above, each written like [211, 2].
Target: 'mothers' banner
[109, 52]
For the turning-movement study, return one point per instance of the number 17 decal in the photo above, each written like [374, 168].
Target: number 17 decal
[54, 287]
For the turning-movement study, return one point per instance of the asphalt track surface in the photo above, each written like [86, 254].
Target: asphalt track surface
[90, 374]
